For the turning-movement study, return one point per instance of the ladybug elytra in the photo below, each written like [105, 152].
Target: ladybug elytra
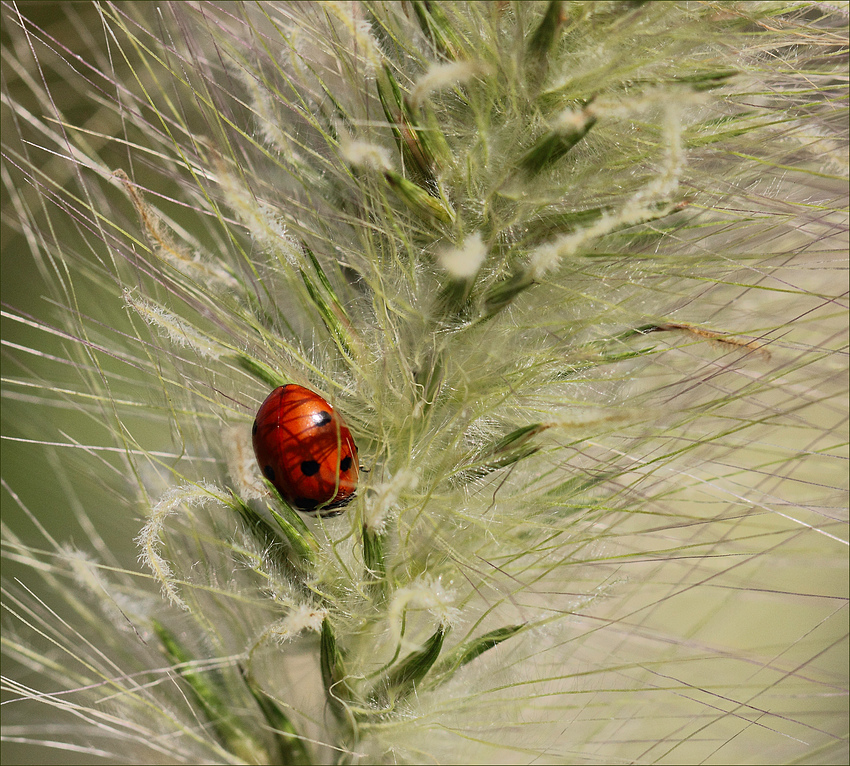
[305, 450]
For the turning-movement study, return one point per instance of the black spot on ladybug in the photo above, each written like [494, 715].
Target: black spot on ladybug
[254, 429]
[305, 503]
[269, 472]
[321, 418]
[309, 467]
[345, 464]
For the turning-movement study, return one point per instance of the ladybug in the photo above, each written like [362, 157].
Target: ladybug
[305, 450]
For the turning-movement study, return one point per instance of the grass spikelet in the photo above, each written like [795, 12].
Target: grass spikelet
[149, 539]
[442, 76]
[165, 245]
[177, 330]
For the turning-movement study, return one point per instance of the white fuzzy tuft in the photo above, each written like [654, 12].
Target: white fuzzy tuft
[268, 120]
[426, 593]
[571, 121]
[177, 330]
[362, 41]
[193, 265]
[302, 617]
[362, 154]
[381, 499]
[149, 538]
[262, 221]
[465, 261]
[441, 76]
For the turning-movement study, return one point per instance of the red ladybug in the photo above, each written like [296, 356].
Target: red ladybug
[305, 450]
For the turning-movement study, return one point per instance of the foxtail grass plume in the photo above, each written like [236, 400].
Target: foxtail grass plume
[569, 273]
